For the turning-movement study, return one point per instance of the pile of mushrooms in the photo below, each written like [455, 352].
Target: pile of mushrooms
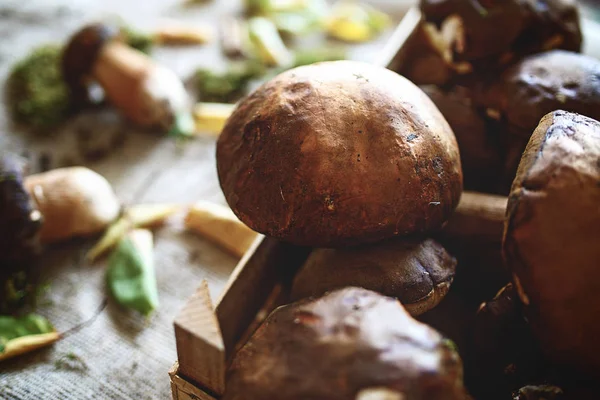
[519, 60]
[357, 162]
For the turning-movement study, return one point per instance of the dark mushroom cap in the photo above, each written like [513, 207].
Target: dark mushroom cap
[495, 28]
[347, 345]
[504, 353]
[417, 273]
[21, 221]
[339, 153]
[539, 392]
[490, 26]
[81, 54]
[534, 87]
[480, 150]
[551, 237]
[543, 83]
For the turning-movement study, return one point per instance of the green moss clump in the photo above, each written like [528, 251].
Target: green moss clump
[229, 86]
[38, 95]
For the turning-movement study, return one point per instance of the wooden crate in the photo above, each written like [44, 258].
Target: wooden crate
[208, 336]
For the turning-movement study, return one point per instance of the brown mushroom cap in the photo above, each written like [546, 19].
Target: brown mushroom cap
[345, 346]
[480, 150]
[494, 28]
[490, 27]
[81, 54]
[552, 234]
[536, 86]
[339, 153]
[417, 273]
[543, 83]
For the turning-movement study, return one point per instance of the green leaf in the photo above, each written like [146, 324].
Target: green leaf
[267, 43]
[184, 126]
[130, 276]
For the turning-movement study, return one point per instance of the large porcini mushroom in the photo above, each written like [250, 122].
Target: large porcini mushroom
[339, 153]
[551, 237]
[147, 93]
[417, 272]
[350, 344]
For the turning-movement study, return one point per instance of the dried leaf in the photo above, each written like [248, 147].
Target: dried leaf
[138, 216]
[219, 224]
[130, 274]
[211, 117]
[24, 334]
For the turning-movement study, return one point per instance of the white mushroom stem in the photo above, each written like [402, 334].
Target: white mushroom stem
[219, 224]
[148, 94]
[73, 201]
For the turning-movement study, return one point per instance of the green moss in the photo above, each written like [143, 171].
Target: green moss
[38, 95]
[229, 86]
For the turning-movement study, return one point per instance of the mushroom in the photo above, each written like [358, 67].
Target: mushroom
[339, 153]
[148, 94]
[494, 28]
[21, 222]
[539, 392]
[503, 353]
[551, 238]
[536, 86]
[350, 344]
[478, 142]
[73, 201]
[417, 272]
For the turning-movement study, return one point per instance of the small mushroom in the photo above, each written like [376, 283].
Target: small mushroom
[551, 238]
[503, 353]
[536, 86]
[539, 392]
[480, 151]
[148, 94]
[417, 273]
[350, 344]
[339, 153]
[495, 28]
[73, 201]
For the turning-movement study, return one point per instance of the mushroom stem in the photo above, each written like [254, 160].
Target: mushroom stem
[478, 215]
[148, 94]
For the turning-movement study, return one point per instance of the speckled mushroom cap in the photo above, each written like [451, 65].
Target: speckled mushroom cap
[348, 345]
[536, 86]
[480, 150]
[503, 27]
[339, 153]
[543, 83]
[552, 237]
[418, 273]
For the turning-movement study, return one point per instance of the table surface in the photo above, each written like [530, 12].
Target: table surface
[119, 355]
